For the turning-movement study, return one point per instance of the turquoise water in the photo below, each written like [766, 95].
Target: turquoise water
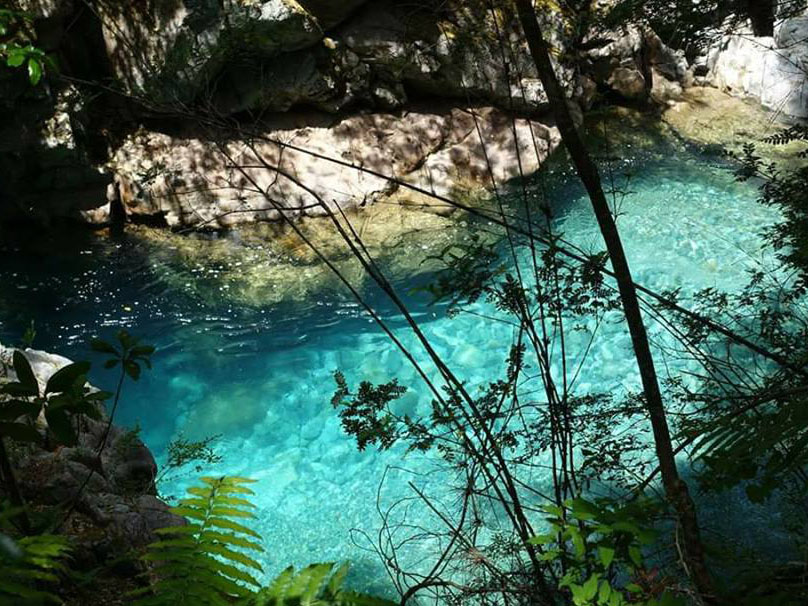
[261, 375]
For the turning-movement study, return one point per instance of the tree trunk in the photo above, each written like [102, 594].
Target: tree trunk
[675, 489]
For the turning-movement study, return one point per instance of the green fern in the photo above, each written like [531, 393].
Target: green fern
[315, 585]
[205, 562]
[28, 566]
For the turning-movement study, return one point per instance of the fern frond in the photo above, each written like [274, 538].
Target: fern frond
[28, 566]
[200, 563]
[315, 585]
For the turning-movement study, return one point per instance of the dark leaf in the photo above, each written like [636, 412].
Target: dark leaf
[14, 409]
[18, 390]
[126, 340]
[133, 370]
[97, 396]
[19, 432]
[25, 375]
[60, 426]
[142, 350]
[102, 346]
[63, 379]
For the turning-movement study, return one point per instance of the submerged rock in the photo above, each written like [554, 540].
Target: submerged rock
[713, 118]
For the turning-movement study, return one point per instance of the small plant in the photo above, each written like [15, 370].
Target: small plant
[598, 548]
[206, 561]
[28, 565]
[129, 353]
[315, 585]
[66, 394]
[16, 47]
[182, 451]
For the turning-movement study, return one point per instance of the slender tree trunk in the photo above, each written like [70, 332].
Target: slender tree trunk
[675, 489]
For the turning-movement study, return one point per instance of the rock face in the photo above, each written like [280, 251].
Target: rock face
[773, 70]
[253, 59]
[47, 173]
[634, 65]
[119, 497]
[197, 181]
[271, 55]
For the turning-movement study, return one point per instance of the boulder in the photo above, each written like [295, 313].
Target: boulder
[114, 493]
[383, 50]
[628, 82]
[634, 63]
[197, 181]
[170, 50]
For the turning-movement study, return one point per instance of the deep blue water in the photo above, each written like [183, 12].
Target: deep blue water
[261, 375]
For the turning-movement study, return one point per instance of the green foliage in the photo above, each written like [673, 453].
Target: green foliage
[760, 447]
[206, 561]
[129, 353]
[365, 414]
[29, 566]
[315, 585]
[182, 451]
[65, 396]
[759, 437]
[598, 549]
[17, 49]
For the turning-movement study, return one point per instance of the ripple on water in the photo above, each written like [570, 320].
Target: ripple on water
[261, 375]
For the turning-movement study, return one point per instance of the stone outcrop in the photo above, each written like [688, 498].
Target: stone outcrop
[198, 181]
[118, 510]
[385, 85]
[770, 69]
[632, 64]
[256, 58]
[46, 168]
[271, 55]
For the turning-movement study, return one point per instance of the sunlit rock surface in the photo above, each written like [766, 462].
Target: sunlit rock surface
[772, 70]
[287, 171]
[709, 116]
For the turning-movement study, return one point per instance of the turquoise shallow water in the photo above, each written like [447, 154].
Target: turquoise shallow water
[261, 377]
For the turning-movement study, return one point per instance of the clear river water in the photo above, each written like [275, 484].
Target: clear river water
[260, 375]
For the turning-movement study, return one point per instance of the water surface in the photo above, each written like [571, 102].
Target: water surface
[260, 375]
